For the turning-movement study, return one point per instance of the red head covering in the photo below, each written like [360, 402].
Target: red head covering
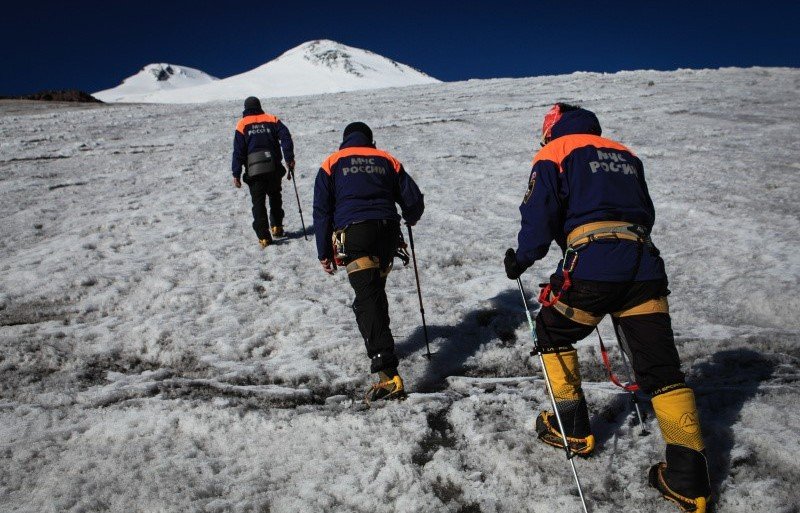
[550, 119]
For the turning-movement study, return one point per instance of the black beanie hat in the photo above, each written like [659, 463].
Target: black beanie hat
[252, 103]
[358, 126]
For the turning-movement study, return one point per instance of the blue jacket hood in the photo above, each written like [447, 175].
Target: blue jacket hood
[251, 112]
[580, 121]
[356, 140]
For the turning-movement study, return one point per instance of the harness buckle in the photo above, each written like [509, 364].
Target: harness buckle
[568, 265]
[339, 254]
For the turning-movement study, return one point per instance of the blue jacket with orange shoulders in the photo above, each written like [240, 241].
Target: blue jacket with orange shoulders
[257, 131]
[580, 177]
[361, 183]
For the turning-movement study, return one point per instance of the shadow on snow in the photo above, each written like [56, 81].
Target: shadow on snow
[454, 345]
[725, 383]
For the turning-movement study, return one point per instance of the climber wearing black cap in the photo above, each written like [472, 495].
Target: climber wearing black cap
[357, 226]
[257, 146]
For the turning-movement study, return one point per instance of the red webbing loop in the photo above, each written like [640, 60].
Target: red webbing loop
[607, 363]
[544, 295]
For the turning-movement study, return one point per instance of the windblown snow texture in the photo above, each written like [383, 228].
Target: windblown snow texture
[315, 67]
[153, 358]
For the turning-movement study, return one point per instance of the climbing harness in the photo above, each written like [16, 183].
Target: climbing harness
[581, 237]
[577, 240]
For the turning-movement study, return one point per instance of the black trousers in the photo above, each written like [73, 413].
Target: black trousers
[376, 238]
[652, 352]
[261, 187]
[649, 337]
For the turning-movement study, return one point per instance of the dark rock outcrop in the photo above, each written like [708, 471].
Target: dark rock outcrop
[66, 95]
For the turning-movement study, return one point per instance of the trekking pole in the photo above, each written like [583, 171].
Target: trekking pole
[537, 350]
[631, 387]
[623, 346]
[294, 182]
[248, 205]
[419, 291]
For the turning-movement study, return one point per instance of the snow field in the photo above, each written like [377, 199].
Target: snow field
[154, 359]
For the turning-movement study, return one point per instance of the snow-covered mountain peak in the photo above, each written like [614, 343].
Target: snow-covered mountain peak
[336, 56]
[337, 59]
[332, 55]
[171, 73]
[315, 67]
[164, 72]
[153, 78]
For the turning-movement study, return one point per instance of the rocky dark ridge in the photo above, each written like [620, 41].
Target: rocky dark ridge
[162, 73]
[64, 95]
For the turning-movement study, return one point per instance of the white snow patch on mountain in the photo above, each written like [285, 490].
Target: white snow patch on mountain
[315, 67]
[153, 78]
[153, 358]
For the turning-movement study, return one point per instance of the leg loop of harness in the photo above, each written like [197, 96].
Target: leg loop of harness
[362, 264]
[651, 306]
[574, 314]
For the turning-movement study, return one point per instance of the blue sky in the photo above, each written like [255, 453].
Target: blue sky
[94, 45]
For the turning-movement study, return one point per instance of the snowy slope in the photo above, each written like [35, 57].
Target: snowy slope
[154, 78]
[314, 67]
[152, 358]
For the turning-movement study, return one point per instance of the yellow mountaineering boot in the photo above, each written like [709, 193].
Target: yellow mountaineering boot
[547, 429]
[686, 504]
[683, 479]
[565, 378]
[264, 243]
[387, 389]
[277, 231]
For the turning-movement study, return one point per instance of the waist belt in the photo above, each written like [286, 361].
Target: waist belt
[591, 232]
[585, 234]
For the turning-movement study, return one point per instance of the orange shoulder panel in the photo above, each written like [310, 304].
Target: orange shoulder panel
[557, 150]
[257, 118]
[361, 152]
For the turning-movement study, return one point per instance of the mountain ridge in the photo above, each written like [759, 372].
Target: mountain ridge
[153, 78]
[314, 67]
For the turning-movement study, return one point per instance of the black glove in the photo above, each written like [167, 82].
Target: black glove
[513, 269]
